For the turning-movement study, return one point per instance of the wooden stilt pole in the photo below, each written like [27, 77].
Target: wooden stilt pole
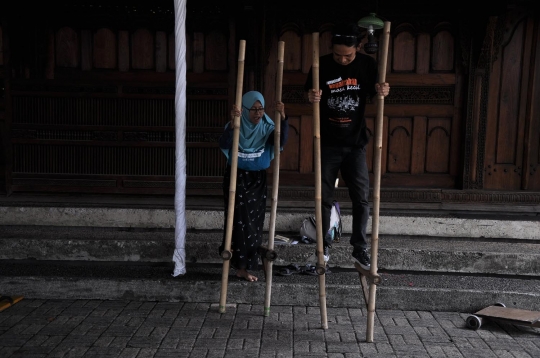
[227, 254]
[377, 184]
[269, 258]
[321, 266]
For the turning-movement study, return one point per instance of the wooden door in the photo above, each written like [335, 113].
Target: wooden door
[512, 123]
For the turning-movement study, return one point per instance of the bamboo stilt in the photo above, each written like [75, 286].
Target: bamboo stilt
[318, 210]
[227, 254]
[377, 184]
[275, 183]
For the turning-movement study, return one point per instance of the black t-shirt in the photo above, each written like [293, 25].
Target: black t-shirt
[343, 101]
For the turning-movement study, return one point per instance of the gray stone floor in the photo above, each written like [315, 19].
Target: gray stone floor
[97, 328]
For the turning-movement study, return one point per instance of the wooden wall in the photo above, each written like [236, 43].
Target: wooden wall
[112, 129]
[89, 105]
[422, 114]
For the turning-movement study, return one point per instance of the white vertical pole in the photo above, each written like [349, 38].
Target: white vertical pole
[179, 256]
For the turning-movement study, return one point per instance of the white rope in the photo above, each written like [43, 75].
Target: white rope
[179, 256]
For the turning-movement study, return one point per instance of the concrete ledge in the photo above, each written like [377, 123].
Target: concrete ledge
[397, 252]
[285, 222]
[184, 289]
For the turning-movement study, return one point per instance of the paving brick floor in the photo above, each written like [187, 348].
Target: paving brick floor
[94, 328]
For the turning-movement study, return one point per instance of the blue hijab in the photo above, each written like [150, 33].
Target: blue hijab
[253, 137]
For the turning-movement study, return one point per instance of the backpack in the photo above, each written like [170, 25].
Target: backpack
[308, 230]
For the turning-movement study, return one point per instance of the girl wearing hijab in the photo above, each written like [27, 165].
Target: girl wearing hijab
[255, 152]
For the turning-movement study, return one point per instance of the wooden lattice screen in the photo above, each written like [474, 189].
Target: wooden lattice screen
[109, 138]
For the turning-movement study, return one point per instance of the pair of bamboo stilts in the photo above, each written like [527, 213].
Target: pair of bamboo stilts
[268, 255]
[370, 296]
[321, 267]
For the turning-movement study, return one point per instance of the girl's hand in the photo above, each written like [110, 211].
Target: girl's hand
[280, 107]
[235, 112]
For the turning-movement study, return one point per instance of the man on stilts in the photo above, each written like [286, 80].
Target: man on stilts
[347, 78]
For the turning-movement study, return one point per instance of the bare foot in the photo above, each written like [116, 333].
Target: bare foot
[246, 275]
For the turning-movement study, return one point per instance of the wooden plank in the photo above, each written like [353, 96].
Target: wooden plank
[161, 51]
[418, 145]
[438, 145]
[443, 51]
[290, 157]
[399, 145]
[306, 145]
[307, 48]
[292, 60]
[510, 314]
[411, 110]
[67, 48]
[104, 49]
[395, 79]
[142, 50]
[456, 164]
[504, 142]
[423, 53]
[198, 52]
[531, 163]
[50, 65]
[524, 104]
[86, 50]
[403, 59]
[442, 181]
[8, 301]
[1, 48]
[214, 60]
[123, 51]
[172, 52]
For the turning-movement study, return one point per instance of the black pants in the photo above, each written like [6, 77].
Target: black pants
[352, 163]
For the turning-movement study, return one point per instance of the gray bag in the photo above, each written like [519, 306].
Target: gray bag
[308, 230]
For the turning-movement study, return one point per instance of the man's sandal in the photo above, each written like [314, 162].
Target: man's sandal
[290, 269]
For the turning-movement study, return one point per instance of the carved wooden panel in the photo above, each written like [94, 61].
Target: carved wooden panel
[506, 112]
[1, 48]
[399, 145]
[215, 47]
[123, 51]
[307, 50]
[292, 57]
[325, 41]
[421, 130]
[531, 163]
[172, 52]
[161, 51]
[423, 51]
[142, 50]
[438, 136]
[404, 50]
[124, 141]
[306, 145]
[67, 48]
[290, 156]
[105, 49]
[443, 52]
[86, 50]
[198, 52]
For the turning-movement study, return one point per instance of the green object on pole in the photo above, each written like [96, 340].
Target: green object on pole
[371, 21]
